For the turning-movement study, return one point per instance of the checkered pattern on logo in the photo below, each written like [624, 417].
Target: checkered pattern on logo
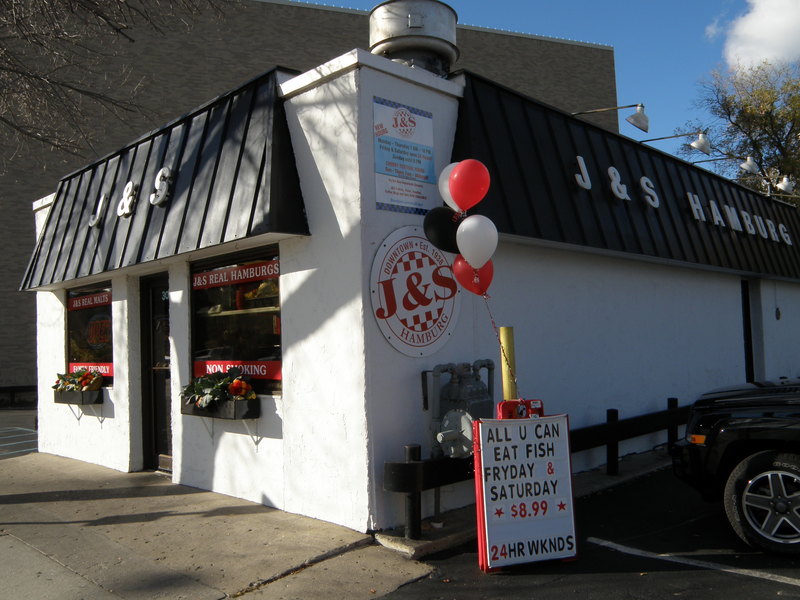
[420, 323]
[401, 209]
[413, 261]
[393, 104]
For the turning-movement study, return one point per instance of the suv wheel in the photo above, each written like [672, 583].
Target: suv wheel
[762, 501]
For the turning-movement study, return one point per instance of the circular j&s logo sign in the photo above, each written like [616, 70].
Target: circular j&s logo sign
[404, 122]
[415, 297]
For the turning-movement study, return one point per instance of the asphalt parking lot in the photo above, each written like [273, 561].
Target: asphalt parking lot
[17, 432]
[649, 538]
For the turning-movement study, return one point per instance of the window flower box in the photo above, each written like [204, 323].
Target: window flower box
[78, 397]
[81, 387]
[240, 408]
[221, 396]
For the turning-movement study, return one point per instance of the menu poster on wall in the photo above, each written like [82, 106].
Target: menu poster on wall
[90, 333]
[405, 177]
[523, 482]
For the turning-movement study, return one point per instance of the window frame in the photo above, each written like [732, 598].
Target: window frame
[97, 298]
[230, 271]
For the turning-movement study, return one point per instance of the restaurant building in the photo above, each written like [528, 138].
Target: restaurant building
[279, 229]
[189, 59]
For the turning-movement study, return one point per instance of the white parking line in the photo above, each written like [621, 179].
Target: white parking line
[16, 432]
[17, 435]
[4, 454]
[702, 564]
[17, 443]
[26, 441]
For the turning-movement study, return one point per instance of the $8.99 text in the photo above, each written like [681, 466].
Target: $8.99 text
[525, 510]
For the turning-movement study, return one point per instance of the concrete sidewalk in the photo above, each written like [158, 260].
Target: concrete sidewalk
[69, 529]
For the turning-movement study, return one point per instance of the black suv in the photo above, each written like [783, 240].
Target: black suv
[743, 444]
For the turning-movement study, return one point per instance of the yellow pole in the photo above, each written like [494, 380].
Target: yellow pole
[508, 360]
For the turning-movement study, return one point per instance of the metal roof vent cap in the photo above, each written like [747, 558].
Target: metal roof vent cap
[417, 33]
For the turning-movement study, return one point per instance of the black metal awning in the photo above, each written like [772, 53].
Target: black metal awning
[232, 175]
[559, 179]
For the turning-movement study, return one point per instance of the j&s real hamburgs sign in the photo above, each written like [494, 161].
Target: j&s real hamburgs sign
[239, 274]
[524, 488]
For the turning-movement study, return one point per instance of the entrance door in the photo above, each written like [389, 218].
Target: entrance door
[156, 405]
[747, 321]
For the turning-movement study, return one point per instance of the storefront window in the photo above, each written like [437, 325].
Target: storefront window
[89, 331]
[237, 320]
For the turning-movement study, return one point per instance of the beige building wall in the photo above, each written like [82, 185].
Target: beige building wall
[171, 73]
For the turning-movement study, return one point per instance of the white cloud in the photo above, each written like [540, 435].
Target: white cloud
[713, 30]
[770, 30]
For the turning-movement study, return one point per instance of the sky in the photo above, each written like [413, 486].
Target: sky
[663, 49]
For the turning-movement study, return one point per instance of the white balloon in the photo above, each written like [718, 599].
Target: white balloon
[444, 186]
[476, 238]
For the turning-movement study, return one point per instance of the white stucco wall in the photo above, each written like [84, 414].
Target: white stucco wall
[306, 453]
[393, 389]
[322, 332]
[595, 332]
[107, 434]
[338, 392]
[591, 333]
[238, 458]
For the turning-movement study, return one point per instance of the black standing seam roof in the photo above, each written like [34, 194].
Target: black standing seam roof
[531, 152]
[233, 176]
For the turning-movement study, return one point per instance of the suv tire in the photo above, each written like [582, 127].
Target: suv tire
[762, 501]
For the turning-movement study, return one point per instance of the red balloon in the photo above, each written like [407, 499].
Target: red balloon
[469, 182]
[473, 280]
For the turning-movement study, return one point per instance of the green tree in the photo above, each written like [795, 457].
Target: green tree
[754, 111]
[49, 56]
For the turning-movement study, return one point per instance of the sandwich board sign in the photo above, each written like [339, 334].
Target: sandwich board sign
[523, 484]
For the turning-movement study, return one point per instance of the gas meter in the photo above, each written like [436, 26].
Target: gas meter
[457, 403]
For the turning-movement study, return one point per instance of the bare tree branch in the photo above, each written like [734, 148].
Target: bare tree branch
[49, 50]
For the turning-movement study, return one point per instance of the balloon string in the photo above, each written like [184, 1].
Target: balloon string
[500, 343]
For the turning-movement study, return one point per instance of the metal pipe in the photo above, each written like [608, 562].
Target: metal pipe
[413, 499]
[672, 428]
[612, 443]
[508, 360]
[488, 364]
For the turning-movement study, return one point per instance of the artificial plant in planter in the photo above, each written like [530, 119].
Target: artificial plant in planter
[81, 387]
[220, 395]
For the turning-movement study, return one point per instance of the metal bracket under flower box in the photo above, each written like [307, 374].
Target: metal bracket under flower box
[76, 397]
[226, 409]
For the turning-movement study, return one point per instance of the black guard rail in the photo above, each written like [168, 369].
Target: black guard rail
[414, 475]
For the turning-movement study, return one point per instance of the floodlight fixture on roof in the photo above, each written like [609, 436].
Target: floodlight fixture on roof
[701, 144]
[750, 166]
[785, 185]
[638, 119]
